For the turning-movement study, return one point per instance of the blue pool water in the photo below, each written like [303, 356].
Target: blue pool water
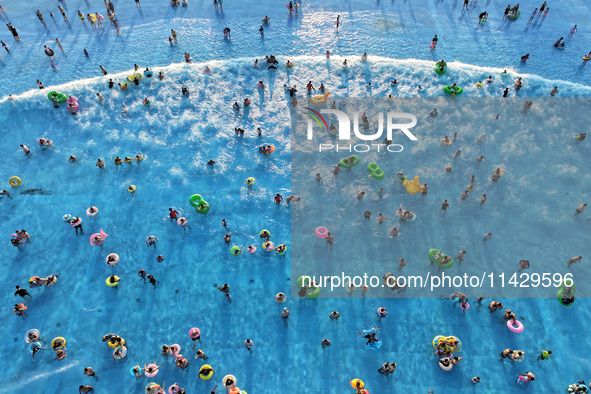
[178, 136]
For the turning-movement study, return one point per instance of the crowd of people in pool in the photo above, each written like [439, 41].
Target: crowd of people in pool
[443, 349]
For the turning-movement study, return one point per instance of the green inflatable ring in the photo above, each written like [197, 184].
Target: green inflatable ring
[438, 71]
[313, 294]
[447, 89]
[59, 97]
[432, 256]
[195, 198]
[203, 207]
[344, 164]
[378, 174]
[235, 251]
[514, 16]
[562, 290]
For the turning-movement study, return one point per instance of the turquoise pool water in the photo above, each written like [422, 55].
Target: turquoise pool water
[177, 136]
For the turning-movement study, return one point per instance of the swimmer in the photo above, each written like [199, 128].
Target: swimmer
[394, 82]
[329, 239]
[394, 232]
[201, 355]
[151, 241]
[483, 199]
[131, 189]
[325, 343]
[401, 263]
[487, 237]
[334, 316]
[113, 280]
[478, 301]
[293, 198]
[573, 260]
[360, 195]
[82, 389]
[480, 159]
[461, 254]
[187, 58]
[249, 345]
[381, 218]
[161, 75]
[495, 306]
[367, 215]
[285, 313]
[35, 347]
[278, 198]
[510, 316]
[545, 355]
[523, 264]
[90, 372]
[433, 114]
[337, 170]
[580, 209]
[181, 362]
[152, 280]
[160, 258]
[528, 376]
[123, 87]
[318, 178]
[464, 195]
[444, 205]
[228, 238]
[371, 337]
[446, 141]
[152, 367]
[581, 136]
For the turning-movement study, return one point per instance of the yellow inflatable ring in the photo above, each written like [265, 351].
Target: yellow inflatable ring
[117, 280]
[354, 383]
[127, 159]
[447, 142]
[209, 374]
[139, 158]
[92, 17]
[14, 181]
[58, 343]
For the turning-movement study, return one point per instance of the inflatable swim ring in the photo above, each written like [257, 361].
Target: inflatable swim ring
[59, 97]
[195, 199]
[447, 89]
[98, 241]
[357, 384]
[14, 181]
[321, 232]
[436, 256]
[229, 382]
[250, 181]
[235, 251]
[562, 291]
[139, 370]
[203, 207]
[32, 331]
[131, 78]
[439, 343]
[58, 343]
[344, 164]
[516, 329]
[280, 298]
[151, 374]
[194, 333]
[437, 69]
[268, 246]
[115, 260]
[514, 15]
[413, 187]
[375, 171]
[320, 99]
[208, 375]
[120, 353]
[89, 213]
[115, 282]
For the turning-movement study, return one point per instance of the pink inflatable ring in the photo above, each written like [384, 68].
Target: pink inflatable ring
[516, 329]
[321, 232]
